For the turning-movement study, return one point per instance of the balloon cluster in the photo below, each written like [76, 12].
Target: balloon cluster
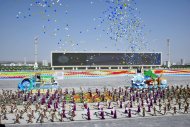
[48, 11]
[44, 7]
[120, 22]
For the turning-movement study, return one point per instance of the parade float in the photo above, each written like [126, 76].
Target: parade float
[38, 82]
[148, 79]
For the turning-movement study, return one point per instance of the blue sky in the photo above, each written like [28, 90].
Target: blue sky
[74, 26]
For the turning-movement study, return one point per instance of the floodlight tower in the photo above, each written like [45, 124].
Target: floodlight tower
[36, 52]
[168, 44]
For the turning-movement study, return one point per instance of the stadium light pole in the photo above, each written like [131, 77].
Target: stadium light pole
[168, 44]
[36, 52]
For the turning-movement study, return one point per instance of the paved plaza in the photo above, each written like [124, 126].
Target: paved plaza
[122, 118]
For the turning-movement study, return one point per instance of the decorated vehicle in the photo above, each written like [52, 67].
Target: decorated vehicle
[148, 80]
[138, 81]
[36, 82]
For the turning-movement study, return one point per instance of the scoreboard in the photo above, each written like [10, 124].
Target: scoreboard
[61, 59]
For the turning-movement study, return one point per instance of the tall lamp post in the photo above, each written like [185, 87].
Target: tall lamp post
[36, 52]
[168, 44]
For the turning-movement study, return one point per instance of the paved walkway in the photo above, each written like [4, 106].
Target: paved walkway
[156, 121]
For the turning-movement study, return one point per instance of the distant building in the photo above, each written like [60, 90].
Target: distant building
[44, 63]
[182, 62]
[174, 64]
[167, 64]
[16, 64]
[11, 64]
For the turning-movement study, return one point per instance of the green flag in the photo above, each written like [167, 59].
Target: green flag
[150, 74]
